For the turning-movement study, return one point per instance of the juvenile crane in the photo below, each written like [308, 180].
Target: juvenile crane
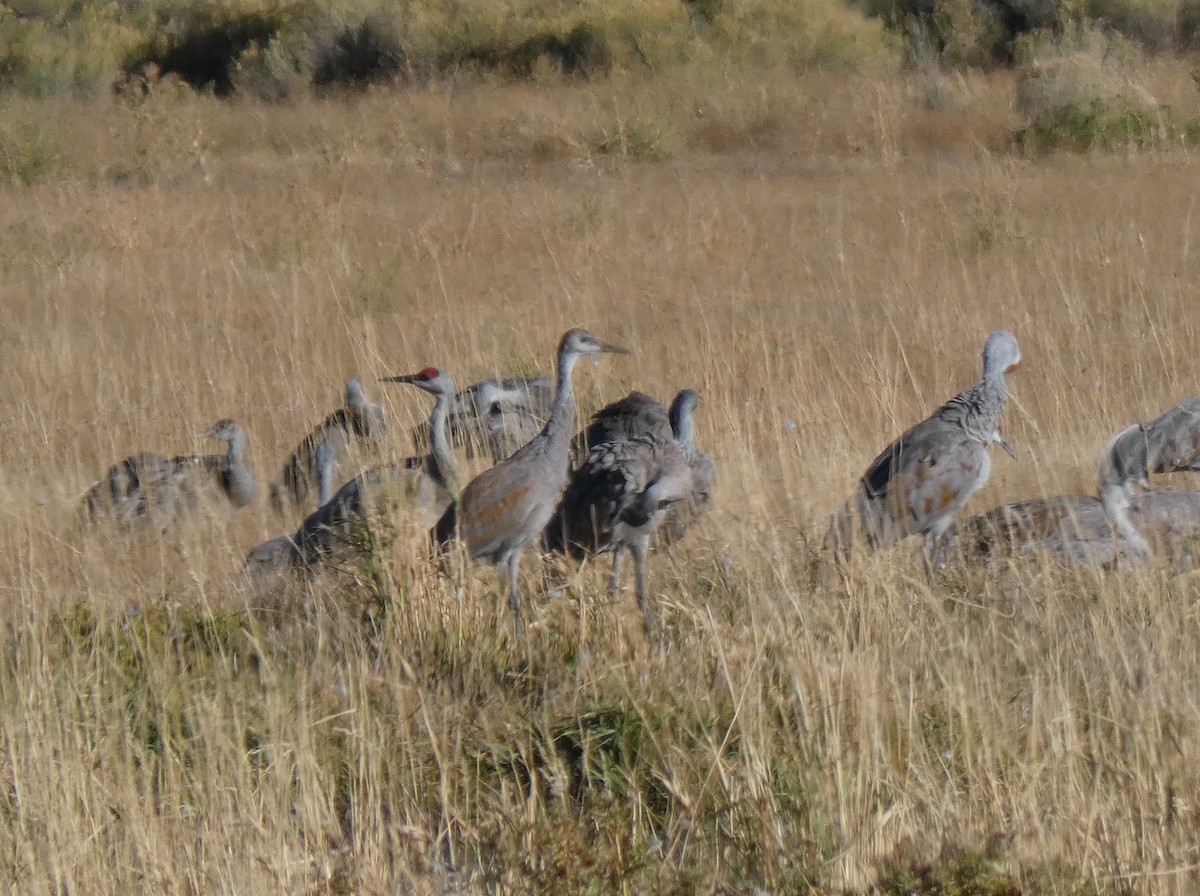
[920, 482]
[359, 421]
[508, 506]
[148, 489]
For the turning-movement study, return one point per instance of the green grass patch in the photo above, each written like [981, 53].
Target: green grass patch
[1094, 125]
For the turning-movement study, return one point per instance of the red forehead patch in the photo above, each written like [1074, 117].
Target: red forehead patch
[430, 373]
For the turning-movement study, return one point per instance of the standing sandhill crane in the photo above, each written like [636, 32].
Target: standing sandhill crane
[495, 417]
[149, 489]
[920, 482]
[428, 483]
[616, 501]
[682, 516]
[1169, 444]
[359, 421]
[505, 508]
[282, 552]
[642, 478]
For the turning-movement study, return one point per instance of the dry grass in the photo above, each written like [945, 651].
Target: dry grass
[828, 254]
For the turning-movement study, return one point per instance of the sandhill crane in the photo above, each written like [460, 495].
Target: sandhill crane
[642, 475]
[429, 483]
[683, 515]
[505, 508]
[148, 489]
[1169, 444]
[918, 484]
[617, 499]
[282, 552]
[495, 416]
[360, 420]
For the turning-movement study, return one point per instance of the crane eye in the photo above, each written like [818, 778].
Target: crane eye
[494, 410]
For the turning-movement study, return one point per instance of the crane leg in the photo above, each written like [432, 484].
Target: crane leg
[614, 583]
[639, 549]
[514, 597]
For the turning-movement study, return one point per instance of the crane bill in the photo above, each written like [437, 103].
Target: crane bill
[1012, 452]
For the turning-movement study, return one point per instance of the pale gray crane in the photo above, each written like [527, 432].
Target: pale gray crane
[360, 421]
[148, 489]
[505, 508]
[1168, 444]
[495, 416]
[920, 482]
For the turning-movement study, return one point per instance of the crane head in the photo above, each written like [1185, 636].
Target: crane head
[431, 379]
[1001, 353]
[581, 342]
[225, 430]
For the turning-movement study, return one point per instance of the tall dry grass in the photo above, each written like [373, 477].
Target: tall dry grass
[822, 259]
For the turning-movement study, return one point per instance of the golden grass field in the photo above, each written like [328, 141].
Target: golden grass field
[828, 252]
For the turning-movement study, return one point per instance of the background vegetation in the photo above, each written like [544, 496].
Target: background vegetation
[814, 215]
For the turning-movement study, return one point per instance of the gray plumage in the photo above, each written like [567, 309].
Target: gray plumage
[616, 501]
[1078, 530]
[1168, 444]
[643, 481]
[153, 491]
[920, 482]
[426, 483]
[495, 417]
[282, 553]
[635, 414]
[682, 516]
[505, 508]
[360, 421]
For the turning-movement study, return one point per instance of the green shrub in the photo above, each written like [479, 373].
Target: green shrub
[805, 34]
[47, 57]
[583, 51]
[1095, 125]
[639, 137]
[29, 152]
[1078, 90]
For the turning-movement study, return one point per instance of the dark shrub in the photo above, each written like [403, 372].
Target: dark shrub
[584, 52]
[369, 53]
[202, 48]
